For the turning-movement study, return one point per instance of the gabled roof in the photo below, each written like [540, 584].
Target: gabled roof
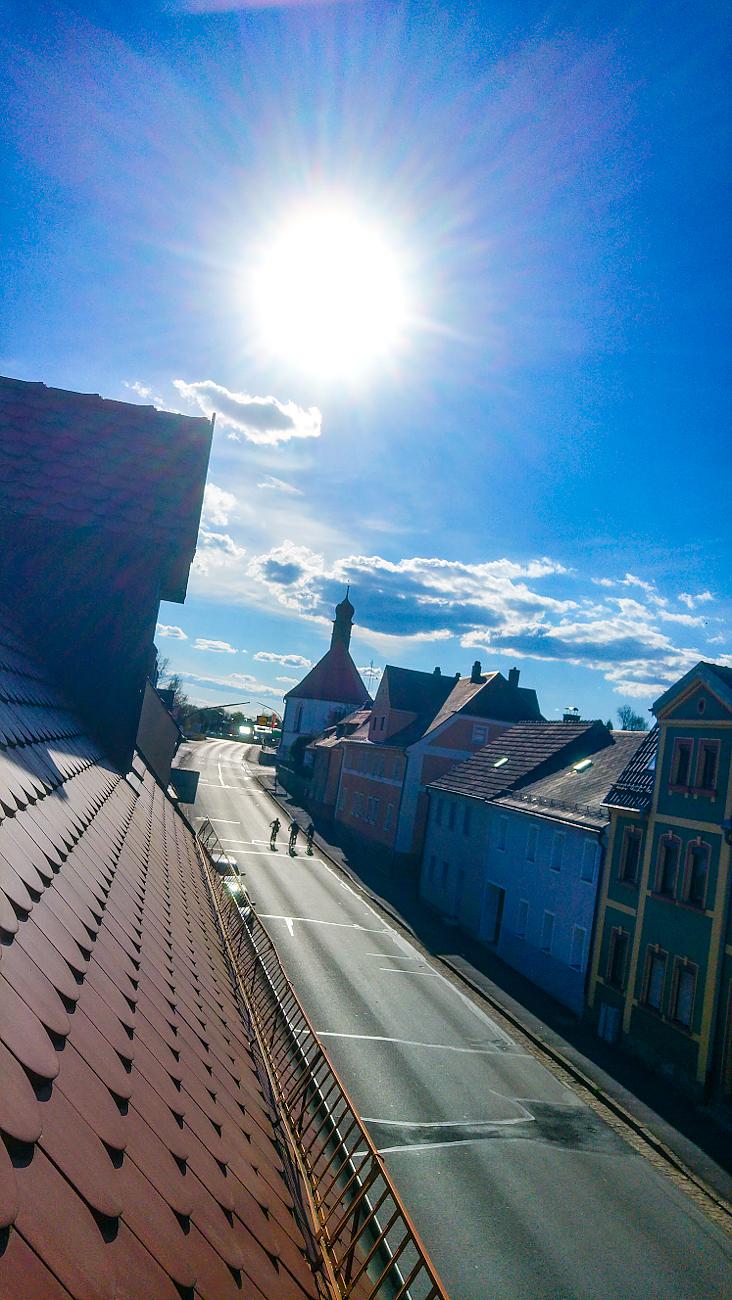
[412, 691]
[138, 1154]
[491, 697]
[509, 760]
[716, 676]
[578, 796]
[80, 461]
[633, 788]
[335, 677]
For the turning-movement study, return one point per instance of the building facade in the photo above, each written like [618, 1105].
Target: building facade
[662, 963]
[332, 689]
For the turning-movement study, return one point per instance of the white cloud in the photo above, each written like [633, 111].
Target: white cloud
[716, 640]
[262, 420]
[217, 505]
[691, 601]
[241, 683]
[214, 647]
[279, 485]
[167, 629]
[144, 391]
[289, 681]
[287, 661]
[216, 550]
[641, 690]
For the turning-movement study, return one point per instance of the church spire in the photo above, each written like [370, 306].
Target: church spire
[343, 622]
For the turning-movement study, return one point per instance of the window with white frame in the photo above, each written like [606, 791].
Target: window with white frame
[577, 951]
[522, 918]
[557, 851]
[587, 866]
[531, 842]
[547, 931]
[502, 833]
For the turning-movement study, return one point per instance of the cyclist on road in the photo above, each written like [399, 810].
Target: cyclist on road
[274, 828]
[294, 832]
[310, 836]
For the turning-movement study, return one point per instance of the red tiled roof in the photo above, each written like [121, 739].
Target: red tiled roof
[78, 460]
[138, 1155]
[335, 677]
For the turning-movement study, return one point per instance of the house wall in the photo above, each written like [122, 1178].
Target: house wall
[690, 937]
[369, 792]
[307, 718]
[482, 878]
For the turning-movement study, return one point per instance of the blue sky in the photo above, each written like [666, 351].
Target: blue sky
[539, 473]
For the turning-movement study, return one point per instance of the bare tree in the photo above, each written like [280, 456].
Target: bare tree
[630, 720]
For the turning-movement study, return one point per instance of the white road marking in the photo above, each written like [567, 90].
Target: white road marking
[393, 956]
[237, 788]
[411, 1042]
[398, 970]
[223, 821]
[436, 1146]
[313, 920]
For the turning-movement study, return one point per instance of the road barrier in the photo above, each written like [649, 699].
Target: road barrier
[370, 1247]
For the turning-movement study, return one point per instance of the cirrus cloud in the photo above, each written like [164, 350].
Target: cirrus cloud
[262, 420]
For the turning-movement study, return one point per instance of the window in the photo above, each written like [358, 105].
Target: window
[382, 722]
[697, 871]
[479, 735]
[681, 764]
[547, 931]
[531, 840]
[369, 809]
[683, 990]
[617, 957]
[445, 873]
[451, 816]
[706, 766]
[655, 978]
[388, 817]
[667, 865]
[466, 819]
[298, 717]
[377, 805]
[438, 812]
[502, 833]
[577, 952]
[589, 853]
[522, 917]
[630, 855]
[557, 851]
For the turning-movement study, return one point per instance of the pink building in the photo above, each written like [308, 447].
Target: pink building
[421, 724]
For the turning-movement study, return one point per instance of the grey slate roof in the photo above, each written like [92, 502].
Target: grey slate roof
[579, 796]
[634, 786]
[416, 692]
[529, 747]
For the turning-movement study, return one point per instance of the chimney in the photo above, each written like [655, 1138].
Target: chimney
[571, 714]
[476, 671]
[513, 677]
[437, 672]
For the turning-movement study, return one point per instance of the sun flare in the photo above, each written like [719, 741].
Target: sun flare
[329, 293]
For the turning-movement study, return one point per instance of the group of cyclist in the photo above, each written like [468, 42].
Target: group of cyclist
[275, 827]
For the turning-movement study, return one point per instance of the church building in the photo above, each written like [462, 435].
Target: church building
[332, 689]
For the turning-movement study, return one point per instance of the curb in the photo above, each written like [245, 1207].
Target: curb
[574, 1071]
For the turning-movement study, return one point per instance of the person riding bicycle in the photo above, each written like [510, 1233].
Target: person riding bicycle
[274, 827]
[310, 836]
[294, 832]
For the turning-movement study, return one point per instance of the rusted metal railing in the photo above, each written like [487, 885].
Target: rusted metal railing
[371, 1249]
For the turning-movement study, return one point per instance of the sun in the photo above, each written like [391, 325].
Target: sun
[329, 293]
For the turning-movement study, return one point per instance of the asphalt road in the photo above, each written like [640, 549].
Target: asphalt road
[518, 1188]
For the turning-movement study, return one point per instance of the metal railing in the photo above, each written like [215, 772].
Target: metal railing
[371, 1249]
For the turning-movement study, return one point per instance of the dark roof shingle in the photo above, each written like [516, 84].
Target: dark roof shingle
[633, 788]
[83, 461]
[507, 761]
[138, 1155]
[579, 793]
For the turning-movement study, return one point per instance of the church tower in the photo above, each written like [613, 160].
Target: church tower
[343, 622]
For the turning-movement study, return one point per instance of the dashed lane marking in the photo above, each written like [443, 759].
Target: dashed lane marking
[411, 1042]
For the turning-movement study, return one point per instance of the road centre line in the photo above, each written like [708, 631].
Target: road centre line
[394, 956]
[450, 1123]
[411, 1042]
[436, 1146]
[314, 920]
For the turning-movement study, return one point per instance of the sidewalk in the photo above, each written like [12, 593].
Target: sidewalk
[695, 1137]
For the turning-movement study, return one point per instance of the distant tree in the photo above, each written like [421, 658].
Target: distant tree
[630, 720]
[609, 724]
